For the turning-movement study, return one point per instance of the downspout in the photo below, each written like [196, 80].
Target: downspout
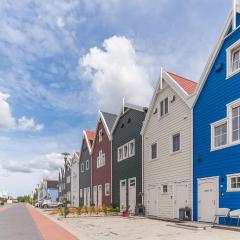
[143, 169]
[191, 179]
[111, 168]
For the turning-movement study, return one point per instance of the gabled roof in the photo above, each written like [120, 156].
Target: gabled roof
[230, 22]
[109, 120]
[89, 137]
[182, 86]
[187, 85]
[124, 108]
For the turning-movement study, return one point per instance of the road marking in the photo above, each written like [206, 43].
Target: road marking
[49, 229]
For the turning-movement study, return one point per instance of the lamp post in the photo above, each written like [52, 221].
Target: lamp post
[65, 154]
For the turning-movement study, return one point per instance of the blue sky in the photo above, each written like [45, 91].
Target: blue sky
[61, 61]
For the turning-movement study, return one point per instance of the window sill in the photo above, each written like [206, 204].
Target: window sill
[177, 152]
[153, 159]
[229, 75]
[162, 117]
[226, 146]
[233, 190]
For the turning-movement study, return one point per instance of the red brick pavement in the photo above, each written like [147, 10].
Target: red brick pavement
[48, 228]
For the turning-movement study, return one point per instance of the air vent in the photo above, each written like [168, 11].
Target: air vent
[155, 111]
[173, 99]
[129, 120]
[122, 126]
[219, 67]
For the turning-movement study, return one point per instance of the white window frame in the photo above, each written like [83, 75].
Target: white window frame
[230, 107]
[82, 167]
[180, 144]
[100, 159]
[213, 126]
[120, 158]
[164, 109]
[229, 187]
[129, 144]
[125, 157]
[81, 193]
[152, 159]
[87, 165]
[100, 135]
[107, 187]
[229, 54]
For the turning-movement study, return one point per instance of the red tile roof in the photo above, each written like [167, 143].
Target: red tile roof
[188, 85]
[90, 135]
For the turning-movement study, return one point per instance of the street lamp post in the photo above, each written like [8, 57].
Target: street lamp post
[65, 154]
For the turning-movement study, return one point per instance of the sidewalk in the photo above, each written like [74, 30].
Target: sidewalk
[48, 228]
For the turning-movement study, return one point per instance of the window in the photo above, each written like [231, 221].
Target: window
[107, 189]
[131, 148]
[233, 182]
[236, 60]
[132, 182]
[120, 153]
[68, 179]
[164, 188]
[176, 142]
[125, 151]
[87, 164]
[81, 195]
[82, 167]
[100, 159]
[163, 107]
[236, 123]
[100, 134]
[154, 151]
[220, 135]
[233, 59]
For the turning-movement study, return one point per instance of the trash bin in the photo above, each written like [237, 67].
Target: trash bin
[181, 214]
[185, 214]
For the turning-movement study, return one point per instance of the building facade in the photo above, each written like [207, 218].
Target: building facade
[75, 179]
[102, 160]
[85, 169]
[167, 147]
[216, 127]
[127, 157]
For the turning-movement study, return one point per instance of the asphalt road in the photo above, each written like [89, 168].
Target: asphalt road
[16, 223]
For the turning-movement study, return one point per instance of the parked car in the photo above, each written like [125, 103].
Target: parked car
[1, 202]
[51, 204]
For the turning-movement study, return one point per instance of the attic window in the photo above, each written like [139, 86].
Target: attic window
[233, 59]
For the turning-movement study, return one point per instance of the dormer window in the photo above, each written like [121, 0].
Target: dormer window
[233, 59]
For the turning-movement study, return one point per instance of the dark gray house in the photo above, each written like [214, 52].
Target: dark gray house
[127, 157]
[85, 169]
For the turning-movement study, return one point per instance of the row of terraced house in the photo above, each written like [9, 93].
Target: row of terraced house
[181, 151]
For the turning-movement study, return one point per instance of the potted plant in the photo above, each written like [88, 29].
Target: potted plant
[125, 212]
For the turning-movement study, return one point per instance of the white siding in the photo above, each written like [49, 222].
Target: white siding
[168, 168]
[75, 183]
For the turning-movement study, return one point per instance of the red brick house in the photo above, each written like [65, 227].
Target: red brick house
[102, 160]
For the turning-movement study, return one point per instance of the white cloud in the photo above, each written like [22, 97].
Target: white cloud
[6, 119]
[8, 122]
[116, 73]
[25, 123]
[48, 164]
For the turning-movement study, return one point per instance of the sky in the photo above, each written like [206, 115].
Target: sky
[63, 60]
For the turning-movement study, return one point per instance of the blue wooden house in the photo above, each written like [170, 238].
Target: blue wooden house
[216, 126]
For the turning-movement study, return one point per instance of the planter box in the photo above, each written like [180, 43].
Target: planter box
[125, 214]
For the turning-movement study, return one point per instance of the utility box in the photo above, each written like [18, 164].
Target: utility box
[185, 214]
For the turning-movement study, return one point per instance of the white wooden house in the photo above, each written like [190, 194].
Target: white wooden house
[167, 147]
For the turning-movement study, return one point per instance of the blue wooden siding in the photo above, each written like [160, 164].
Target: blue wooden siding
[211, 107]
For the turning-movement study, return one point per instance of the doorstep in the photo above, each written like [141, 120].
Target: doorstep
[226, 227]
[164, 219]
[194, 225]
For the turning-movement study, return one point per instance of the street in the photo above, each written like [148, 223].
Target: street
[23, 222]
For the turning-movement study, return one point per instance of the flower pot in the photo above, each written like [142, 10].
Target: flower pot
[125, 214]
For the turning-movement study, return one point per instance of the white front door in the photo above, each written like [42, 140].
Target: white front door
[152, 202]
[88, 196]
[95, 196]
[181, 199]
[85, 197]
[132, 194]
[99, 195]
[207, 198]
[123, 195]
